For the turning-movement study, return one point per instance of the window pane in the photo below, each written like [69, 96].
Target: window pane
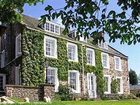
[1, 82]
[73, 80]
[119, 84]
[71, 52]
[50, 47]
[89, 57]
[106, 84]
[50, 76]
[104, 60]
[57, 29]
[47, 26]
[52, 28]
[117, 63]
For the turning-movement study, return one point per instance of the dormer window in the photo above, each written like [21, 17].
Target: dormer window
[72, 34]
[83, 38]
[103, 45]
[52, 27]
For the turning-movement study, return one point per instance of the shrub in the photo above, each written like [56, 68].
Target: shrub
[64, 93]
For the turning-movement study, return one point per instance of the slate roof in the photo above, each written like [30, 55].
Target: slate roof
[34, 23]
[31, 22]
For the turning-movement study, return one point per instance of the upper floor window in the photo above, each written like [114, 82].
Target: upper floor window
[51, 27]
[117, 63]
[90, 56]
[72, 52]
[50, 47]
[47, 26]
[74, 81]
[18, 45]
[107, 88]
[52, 77]
[105, 60]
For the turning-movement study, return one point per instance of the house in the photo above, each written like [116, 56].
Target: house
[34, 54]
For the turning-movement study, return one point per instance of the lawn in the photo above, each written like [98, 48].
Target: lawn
[126, 102]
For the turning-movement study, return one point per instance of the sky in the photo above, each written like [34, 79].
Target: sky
[132, 51]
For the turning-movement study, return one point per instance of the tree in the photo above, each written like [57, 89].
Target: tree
[133, 77]
[10, 10]
[88, 17]
[91, 18]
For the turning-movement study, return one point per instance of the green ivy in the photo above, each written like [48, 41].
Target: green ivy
[33, 60]
[32, 68]
[99, 73]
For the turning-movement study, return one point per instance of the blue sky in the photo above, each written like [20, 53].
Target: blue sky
[132, 51]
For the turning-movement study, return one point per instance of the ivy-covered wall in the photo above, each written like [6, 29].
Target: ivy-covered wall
[33, 60]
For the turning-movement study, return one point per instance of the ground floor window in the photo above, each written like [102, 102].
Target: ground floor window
[107, 84]
[52, 77]
[91, 85]
[2, 82]
[73, 80]
[120, 85]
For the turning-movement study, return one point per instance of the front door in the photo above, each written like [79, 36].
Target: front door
[2, 82]
[91, 85]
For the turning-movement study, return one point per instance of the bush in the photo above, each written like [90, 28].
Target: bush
[64, 93]
[118, 97]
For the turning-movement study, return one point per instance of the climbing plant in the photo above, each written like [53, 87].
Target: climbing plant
[32, 68]
[34, 61]
[99, 73]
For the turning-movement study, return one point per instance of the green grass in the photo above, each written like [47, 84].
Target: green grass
[124, 102]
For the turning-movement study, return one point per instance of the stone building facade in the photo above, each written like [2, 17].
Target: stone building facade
[34, 54]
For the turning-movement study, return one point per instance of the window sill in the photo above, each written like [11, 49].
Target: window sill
[55, 57]
[120, 92]
[118, 69]
[72, 60]
[106, 67]
[75, 91]
[90, 64]
[107, 92]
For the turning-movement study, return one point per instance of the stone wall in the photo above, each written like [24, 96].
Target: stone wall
[33, 93]
[115, 73]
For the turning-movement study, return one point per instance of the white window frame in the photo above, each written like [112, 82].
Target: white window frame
[120, 68]
[108, 63]
[93, 56]
[56, 78]
[4, 80]
[94, 85]
[83, 39]
[55, 49]
[77, 81]
[75, 54]
[18, 53]
[121, 84]
[109, 84]
[49, 27]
